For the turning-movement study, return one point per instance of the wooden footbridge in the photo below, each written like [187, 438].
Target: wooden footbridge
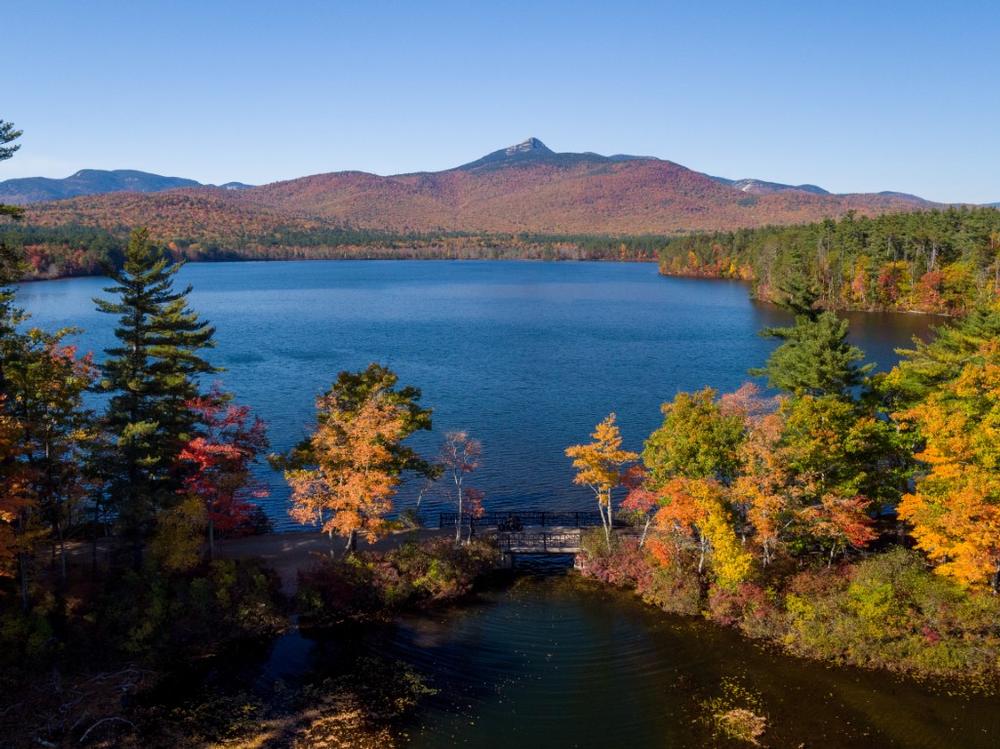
[527, 531]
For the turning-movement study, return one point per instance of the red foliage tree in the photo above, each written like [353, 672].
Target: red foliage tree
[220, 461]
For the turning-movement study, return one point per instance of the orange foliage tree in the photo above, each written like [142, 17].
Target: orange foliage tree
[760, 489]
[349, 490]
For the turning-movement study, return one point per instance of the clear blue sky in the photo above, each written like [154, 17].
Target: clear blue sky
[852, 96]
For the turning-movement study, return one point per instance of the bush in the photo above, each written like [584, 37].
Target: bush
[625, 565]
[888, 611]
[750, 607]
[158, 617]
[673, 588]
[373, 585]
[891, 611]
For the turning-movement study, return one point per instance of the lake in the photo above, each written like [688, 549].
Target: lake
[526, 356]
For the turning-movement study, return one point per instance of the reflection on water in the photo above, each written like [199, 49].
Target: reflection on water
[527, 356]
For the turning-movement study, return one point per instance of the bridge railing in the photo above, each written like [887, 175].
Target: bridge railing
[544, 518]
[546, 541]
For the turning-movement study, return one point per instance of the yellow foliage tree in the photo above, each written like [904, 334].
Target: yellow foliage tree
[176, 543]
[600, 465]
[699, 509]
[955, 507]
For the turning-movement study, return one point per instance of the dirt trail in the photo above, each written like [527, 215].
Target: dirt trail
[287, 553]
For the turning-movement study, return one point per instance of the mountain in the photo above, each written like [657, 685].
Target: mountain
[87, 182]
[525, 188]
[761, 187]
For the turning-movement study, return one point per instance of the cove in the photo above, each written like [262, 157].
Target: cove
[554, 660]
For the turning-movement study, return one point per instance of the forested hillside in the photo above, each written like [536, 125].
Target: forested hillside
[929, 261]
[75, 250]
[524, 188]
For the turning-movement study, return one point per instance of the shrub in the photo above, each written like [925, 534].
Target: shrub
[674, 588]
[750, 607]
[373, 585]
[160, 617]
[626, 565]
[891, 611]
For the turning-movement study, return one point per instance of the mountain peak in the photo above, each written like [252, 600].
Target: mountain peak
[528, 146]
[529, 152]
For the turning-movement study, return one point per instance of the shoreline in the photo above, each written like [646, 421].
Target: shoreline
[479, 258]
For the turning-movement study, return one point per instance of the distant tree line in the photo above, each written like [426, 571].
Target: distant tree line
[930, 261]
[79, 250]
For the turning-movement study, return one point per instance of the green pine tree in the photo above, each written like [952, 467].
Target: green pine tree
[928, 366]
[814, 357]
[8, 134]
[11, 268]
[152, 374]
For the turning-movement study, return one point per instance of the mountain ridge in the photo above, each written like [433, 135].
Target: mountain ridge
[525, 187]
[27, 190]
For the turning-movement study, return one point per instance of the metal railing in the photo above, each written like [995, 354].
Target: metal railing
[543, 518]
[559, 542]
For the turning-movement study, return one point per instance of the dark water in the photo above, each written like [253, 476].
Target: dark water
[558, 661]
[526, 356]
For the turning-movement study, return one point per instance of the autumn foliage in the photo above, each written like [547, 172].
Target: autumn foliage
[955, 506]
[349, 492]
[220, 459]
[600, 465]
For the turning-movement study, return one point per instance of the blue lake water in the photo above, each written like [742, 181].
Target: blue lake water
[526, 356]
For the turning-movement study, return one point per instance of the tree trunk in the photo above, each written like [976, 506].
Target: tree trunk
[645, 530]
[606, 520]
[352, 543]
[22, 569]
[62, 555]
[458, 521]
[93, 545]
